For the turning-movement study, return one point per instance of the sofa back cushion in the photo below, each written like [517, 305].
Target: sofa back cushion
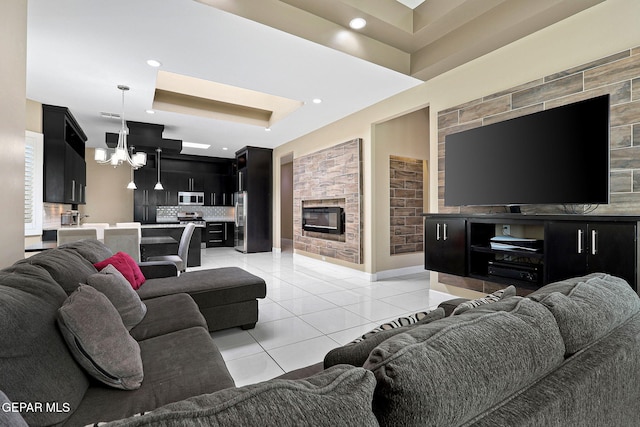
[66, 267]
[587, 308]
[90, 249]
[338, 396]
[448, 371]
[35, 364]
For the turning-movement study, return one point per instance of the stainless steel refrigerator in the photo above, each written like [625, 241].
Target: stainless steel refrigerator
[241, 222]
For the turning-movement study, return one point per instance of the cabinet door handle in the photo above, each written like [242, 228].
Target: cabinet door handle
[73, 190]
[444, 232]
[224, 198]
[438, 231]
[594, 242]
[580, 239]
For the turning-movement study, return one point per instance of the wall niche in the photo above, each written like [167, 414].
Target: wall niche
[406, 201]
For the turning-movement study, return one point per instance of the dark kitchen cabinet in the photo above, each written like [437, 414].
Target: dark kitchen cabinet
[578, 248]
[65, 175]
[144, 198]
[254, 177]
[219, 234]
[445, 245]
[211, 175]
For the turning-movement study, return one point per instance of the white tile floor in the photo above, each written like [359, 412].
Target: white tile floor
[309, 310]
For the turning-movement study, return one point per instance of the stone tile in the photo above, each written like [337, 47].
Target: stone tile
[518, 88]
[446, 120]
[636, 181]
[461, 106]
[555, 89]
[621, 136]
[588, 65]
[635, 93]
[621, 182]
[625, 158]
[513, 114]
[488, 108]
[636, 135]
[619, 93]
[624, 69]
[623, 114]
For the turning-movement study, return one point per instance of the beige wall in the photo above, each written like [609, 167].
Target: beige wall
[13, 48]
[34, 116]
[108, 199]
[405, 136]
[607, 28]
[286, 201]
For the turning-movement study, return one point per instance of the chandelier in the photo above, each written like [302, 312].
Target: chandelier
[122, 153]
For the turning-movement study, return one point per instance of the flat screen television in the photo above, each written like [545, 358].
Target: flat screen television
[555, 156]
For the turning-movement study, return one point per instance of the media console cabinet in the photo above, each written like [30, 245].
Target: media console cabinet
[562, 246]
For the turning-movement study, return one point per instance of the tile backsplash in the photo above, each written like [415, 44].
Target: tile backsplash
[218, 212]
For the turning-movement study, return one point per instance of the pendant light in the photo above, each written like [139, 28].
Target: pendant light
[123, 153]
[158, 185]
[132, 185]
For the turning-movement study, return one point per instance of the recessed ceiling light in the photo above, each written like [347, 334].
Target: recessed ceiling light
[317, 100]
[225, 148]
[195, 145]
[150, 112]
[154, 63]
[358, 23]
[267, 129]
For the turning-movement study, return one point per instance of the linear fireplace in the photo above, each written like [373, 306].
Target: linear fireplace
[326, 219]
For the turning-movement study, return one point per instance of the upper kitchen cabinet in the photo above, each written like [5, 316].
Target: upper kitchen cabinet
[65, 169]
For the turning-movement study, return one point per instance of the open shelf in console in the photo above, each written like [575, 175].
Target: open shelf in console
[507, 264]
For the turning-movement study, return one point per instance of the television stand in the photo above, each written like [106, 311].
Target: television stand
[566, 246]
[514, 209]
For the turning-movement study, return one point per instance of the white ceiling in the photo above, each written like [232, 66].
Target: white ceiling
[411, 3]
[78, 51]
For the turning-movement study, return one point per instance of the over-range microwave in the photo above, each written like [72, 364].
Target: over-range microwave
[190, 197]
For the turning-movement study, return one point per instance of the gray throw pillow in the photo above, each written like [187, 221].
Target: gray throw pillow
[112, 283]
[356, 352]
[337, 397]
[507, 292]
[98, 339]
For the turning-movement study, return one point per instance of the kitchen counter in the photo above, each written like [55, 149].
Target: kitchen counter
[168, 225]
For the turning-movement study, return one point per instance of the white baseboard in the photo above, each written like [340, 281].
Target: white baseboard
[387, 274]
[371, 277]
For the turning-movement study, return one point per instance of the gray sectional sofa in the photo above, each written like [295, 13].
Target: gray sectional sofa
[179, 358]
[566, 355]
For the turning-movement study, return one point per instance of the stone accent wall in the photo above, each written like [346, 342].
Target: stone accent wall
[330, 177]
[406, 188]
[617, 75]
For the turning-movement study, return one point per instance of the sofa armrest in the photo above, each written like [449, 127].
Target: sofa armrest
[451, 305]
[158, 269]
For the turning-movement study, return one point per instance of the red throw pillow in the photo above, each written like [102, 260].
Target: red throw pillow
[137, 273]
[125, 265]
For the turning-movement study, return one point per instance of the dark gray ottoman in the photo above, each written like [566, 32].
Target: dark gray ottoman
[226, 297]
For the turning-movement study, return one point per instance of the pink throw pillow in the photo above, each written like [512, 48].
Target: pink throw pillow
[126, 266]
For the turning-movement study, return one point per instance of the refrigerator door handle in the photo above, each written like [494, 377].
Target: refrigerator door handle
[236, 212]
